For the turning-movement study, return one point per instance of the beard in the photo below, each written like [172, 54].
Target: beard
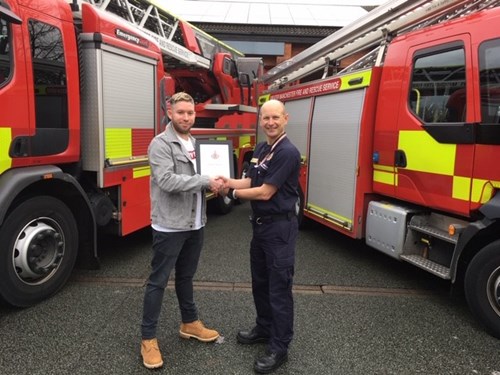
[179, 129]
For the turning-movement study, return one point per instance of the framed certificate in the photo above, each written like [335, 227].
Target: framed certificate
[214, 158]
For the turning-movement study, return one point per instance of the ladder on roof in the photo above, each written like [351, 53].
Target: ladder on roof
[155, 21]
[374, 29]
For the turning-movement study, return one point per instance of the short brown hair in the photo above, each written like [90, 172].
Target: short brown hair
[181, 97]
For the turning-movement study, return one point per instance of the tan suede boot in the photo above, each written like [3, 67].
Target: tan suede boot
[198, 331]
[151, 356]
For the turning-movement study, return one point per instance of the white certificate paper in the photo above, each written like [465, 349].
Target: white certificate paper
[214, 158]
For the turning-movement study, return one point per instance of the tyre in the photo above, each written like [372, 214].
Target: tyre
[39, 247]
[482, 287]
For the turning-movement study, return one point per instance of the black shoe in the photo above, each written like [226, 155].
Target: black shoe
[251, 337]
[269, 362]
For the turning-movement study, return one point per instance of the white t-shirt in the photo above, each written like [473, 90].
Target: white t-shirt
[189, 147]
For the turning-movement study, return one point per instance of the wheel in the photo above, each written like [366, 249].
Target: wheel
[482, 287]
[39, 246]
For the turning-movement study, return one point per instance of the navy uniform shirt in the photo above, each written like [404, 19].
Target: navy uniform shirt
[277, 165]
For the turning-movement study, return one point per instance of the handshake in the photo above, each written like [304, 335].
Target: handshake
[219, 185]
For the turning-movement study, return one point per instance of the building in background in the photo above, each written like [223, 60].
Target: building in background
[273, 29]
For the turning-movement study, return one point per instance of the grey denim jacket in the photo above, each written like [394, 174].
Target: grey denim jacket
[174, 183]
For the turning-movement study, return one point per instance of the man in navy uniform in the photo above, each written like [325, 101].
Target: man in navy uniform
[271, 186]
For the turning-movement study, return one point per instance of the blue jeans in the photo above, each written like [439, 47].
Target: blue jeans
[171, 249]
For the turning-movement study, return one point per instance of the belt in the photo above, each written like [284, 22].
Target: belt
[264, 219]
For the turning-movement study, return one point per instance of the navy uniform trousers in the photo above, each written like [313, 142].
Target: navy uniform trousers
[272, 258]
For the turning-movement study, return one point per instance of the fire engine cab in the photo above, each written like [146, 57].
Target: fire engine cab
[400, 146]
[83, 90]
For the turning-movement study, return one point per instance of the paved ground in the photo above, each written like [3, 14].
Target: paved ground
[357, 312]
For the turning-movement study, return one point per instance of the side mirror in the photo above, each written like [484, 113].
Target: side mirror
[9, 16]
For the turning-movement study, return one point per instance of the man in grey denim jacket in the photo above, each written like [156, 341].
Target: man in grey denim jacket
[174, 183]
[178, 215]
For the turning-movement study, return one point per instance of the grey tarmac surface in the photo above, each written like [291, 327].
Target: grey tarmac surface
[357, 311]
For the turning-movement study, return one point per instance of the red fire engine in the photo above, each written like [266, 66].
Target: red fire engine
[400, 147]
[83, 87]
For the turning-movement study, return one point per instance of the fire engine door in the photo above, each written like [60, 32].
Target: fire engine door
[14, 94]
[435, 147]
[52, 82]
[486, 178]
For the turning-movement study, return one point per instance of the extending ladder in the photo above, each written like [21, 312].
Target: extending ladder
[157, 22]
[392, 18]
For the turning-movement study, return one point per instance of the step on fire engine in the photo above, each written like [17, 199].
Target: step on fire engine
[400, 145]
[83, 87]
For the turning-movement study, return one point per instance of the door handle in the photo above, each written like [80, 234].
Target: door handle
[400, 159]
[19, 147]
